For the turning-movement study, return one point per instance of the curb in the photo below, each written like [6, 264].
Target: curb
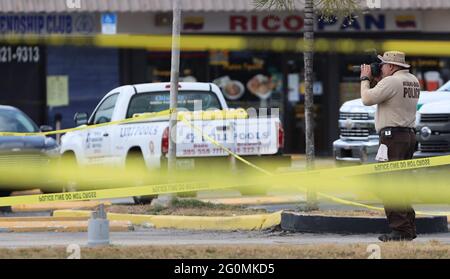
[299, 222]
[263, 200]
[245, 222]
[59, 206]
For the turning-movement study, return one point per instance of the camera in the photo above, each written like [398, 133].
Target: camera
[371, 58]
[375, 67]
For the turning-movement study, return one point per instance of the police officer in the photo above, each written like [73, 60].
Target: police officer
[396, 96]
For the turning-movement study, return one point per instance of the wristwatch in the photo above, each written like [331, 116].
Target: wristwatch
[364, 78]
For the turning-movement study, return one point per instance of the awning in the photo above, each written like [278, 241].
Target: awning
[35, 6]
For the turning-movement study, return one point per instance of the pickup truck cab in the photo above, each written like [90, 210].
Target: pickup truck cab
[113, 144]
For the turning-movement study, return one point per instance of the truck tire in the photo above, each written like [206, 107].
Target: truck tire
[5, 209]
[134, 160]
[68, 160]
[259, 190]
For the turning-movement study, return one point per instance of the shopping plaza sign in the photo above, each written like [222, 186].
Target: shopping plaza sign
[289, 23]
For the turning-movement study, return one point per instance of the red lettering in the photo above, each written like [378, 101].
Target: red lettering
[254, 23]
[293, 23]
[238, 21]
[266, 23]
[271, 23]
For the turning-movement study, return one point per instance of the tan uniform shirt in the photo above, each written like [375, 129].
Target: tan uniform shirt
[396, 97]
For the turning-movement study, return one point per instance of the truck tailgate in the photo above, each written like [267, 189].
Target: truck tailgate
[254, 136]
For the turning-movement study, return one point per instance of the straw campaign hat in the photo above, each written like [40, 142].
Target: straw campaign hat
[395, 58]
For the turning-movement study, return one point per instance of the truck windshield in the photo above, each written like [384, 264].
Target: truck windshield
[16, 122]
[159, 101]
[445, 87]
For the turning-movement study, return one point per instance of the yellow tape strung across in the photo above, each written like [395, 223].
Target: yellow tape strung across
[107, 193]
[353, 171]
[295, 178]
[235, 43]
[213, 115]
[201, 115]
[309, 177]
[198, 130]
[135, 119]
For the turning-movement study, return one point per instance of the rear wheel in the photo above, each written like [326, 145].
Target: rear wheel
[5, 209]
[135, 161]
[69, 162]
[258, 190]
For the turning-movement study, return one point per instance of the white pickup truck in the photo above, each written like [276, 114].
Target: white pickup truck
[113, 144]
[433, 129]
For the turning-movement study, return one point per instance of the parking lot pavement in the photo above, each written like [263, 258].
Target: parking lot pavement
[176, 237]
[26, 214]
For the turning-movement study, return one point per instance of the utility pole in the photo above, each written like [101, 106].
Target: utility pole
[166, 200]
[174, 78]
[311, 195]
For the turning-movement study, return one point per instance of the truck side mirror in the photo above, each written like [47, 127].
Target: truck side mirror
[80, 118]
[46, 128]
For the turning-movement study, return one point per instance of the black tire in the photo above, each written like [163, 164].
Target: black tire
[259, 190]
[5, 209]
[142, 200]
[135, 160]
[68, 160]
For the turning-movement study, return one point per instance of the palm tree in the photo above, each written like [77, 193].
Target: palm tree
[326, 9]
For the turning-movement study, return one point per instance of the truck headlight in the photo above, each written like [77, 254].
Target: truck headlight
[425, 133]
[51, 147]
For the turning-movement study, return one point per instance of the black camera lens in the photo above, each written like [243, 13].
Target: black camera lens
[376, 69]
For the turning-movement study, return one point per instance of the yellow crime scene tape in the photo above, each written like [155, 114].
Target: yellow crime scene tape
[234, 43]
[151, 190]
[358, 170]
[195, 186]
[134, 119]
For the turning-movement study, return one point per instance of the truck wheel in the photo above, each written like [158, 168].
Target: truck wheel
[260, 190]
[143, 199]
[69, 161]
[5, 209]
[135, 160]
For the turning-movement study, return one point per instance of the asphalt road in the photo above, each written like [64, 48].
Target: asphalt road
[177, 237]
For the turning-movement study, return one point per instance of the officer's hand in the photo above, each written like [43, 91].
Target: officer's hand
[366, 71]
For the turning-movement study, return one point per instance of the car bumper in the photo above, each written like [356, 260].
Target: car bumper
[421, 154]
[355, 151]
[267, 162]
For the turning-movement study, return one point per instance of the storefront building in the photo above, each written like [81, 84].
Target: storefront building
[265, 73]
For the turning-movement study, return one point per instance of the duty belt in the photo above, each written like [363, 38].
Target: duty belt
[398, 129]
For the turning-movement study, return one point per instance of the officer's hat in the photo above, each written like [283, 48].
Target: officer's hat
[395, 58]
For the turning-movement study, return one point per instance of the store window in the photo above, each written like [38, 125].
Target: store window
[350, 85]
[248, 79]
[432, 72]
[193, 67]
